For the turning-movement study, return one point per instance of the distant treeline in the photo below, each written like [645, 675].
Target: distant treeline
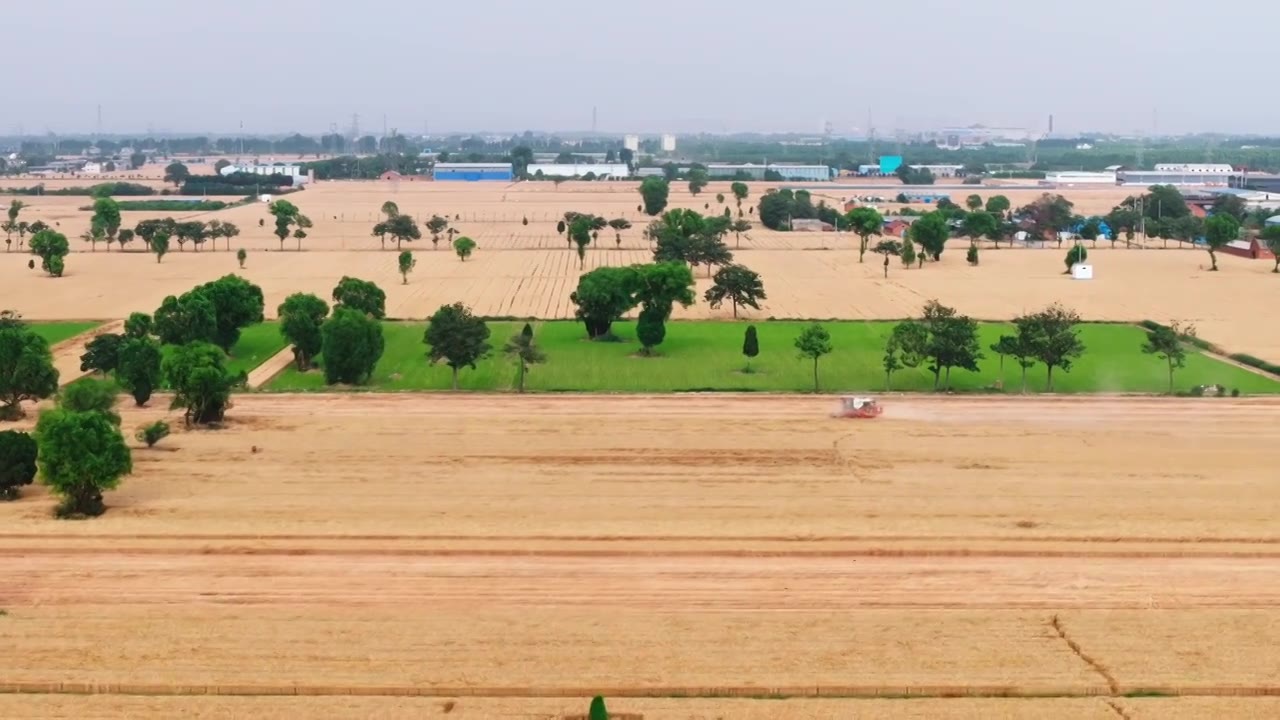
[109, 189]
[237, 184]
[349, 167]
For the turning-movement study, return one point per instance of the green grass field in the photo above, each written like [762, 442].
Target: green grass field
[56, 332]
[256, 345]
[707, 356]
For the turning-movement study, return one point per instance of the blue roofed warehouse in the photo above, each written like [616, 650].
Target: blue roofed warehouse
[473, 172]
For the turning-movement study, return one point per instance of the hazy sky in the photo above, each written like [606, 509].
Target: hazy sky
[648, 66]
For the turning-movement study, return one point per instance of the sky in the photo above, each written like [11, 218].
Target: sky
[681, 66]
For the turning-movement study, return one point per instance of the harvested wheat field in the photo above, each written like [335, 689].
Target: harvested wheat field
[515, 555]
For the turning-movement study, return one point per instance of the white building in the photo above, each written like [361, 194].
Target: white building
[668, 143]
[1075, 177]
[92, 168]
[600, 170]
[632, 143]
[292, 170]
[1194, 168]
[940, 170]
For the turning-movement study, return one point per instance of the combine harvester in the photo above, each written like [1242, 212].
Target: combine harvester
[858, 407]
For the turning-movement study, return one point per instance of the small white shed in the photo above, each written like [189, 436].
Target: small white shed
[1081, 271]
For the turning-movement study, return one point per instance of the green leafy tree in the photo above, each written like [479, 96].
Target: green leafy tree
[188, 318]
[654, 192]
[953, 341]
[737, 284]
[740, 192]
[137, 325]
[603, 296]
[618, 225]
[651, 330]
[389, 209]
[88, 395]
[597, 711]
[522, 348]
[52, 247]
[456, 338]
[1057, 343]
[237, 303]
[81, 454]
[662, 285]
[241, 256]
[139, 368]
[1166, 344]
[738, 227]
[697, 181]
[580, 235]
[201, 384]
[812, 343]
[106, 215]
[360, 295]
[971, 256]
[1021, 346]
[998, 205]
[18, 454]
[152, 433]
[864, 222]
[979, 224]
[176, 173]
[908, 253]
[464, 246]
[1048, 215]
[750, 346]
[436, 226]
[906, 347]
[101, 354]
[1271, 238]
[352, 343]
[288, 219]
[1077, 254]
[26, 367]
[973, 202]
[402, 228]
[406, 263]
[1218, 231]
[931, 233]
[301, 319]
[160, 245]
[125, 237]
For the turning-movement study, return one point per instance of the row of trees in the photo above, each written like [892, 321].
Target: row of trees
[655, 191]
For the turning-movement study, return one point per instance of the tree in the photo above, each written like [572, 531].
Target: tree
[139, 368]
[237, 303]
[651, 329]
[200, 382]
[737, 284]
[360, 295]
[1165, 342]
[738, 227]
[661, 285]
[52, 247]
[26, 366]
[931, 231]
[603, 296]
[740, 192]
[241, 256]
[1218, 231]
[352, 344]
[1077, 254]
[864, 222]
[406, 264]
[618, 225]
[750, 346]
[88, 395]
[152, 433]
[1047, 215]
[301, 319]
[464, 246]
[597, 710]
[973, 202]
[176, 173]
[401, 227]
[15, 207]
[18, 454]
[971, 256]
[457, 338]
[101, 354]
[188, 318]
[1020, 346]
[1271, 238]
[137, 325]
[561, 227]
[288, 218]
[952, 341]
[106, 216]
[908, 253]
[125, 237]
[522, 347]
[906, 347]
[998, 204]
[160, 245]
[81, 454]
[654, 191]
[1055, 340]
[389, 209]
[436, 226]
[979, 224]
[814, 342]
[697, 181]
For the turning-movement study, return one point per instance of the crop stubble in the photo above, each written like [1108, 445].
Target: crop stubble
[556, 546]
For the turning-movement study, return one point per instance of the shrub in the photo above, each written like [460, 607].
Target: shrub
[153, 433]
[17, 462]
[1256, 362]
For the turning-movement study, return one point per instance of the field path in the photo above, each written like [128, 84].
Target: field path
[262, 374]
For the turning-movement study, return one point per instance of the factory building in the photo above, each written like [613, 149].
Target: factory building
[473, 172]
[757, 172]
[1068, 178]
[600, 170]
[1179, 177]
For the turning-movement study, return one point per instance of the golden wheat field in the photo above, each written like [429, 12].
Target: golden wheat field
[491, 556]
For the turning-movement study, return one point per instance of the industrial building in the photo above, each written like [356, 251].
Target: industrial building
[940, 170]
[290, 170]
[1068, 178]
[600, 170]
[473, 172]
[668, 143]
[1179, 178]
[757, 172]
[1194, 168]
